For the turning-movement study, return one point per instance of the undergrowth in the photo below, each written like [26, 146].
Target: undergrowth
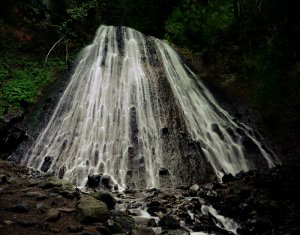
[23, 80]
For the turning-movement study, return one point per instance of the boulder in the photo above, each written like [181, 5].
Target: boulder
[169, 222]
[47, 163]
[91, 210]
[105, 197]
[94, 180]
[120, 222]
[53, 214]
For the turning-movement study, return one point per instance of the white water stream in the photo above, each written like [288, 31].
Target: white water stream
[110, 111]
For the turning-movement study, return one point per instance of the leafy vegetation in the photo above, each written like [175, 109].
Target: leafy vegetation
[196, 24]
[25, 83]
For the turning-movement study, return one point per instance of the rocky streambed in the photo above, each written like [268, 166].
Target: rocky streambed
[249, 203]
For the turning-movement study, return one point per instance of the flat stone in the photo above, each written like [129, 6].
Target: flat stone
[120, 222]
[50, 182]
[53, 215]
[67, 210]
[91, 210]
[8, 222]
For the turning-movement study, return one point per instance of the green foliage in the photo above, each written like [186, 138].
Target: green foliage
[3, 74]
[198, 25]
[24, 84]
[264, 69]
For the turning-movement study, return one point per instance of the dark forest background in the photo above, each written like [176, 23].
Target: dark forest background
[248, 49]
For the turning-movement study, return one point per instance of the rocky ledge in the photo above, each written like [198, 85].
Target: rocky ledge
[249, 203]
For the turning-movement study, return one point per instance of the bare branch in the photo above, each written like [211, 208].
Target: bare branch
[52, 49]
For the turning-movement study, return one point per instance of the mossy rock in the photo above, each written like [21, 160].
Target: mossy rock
[91, 210]
[105, 197]
[120, 222]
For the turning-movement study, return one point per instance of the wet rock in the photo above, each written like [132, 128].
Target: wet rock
[227, 178]
[164, 131]
[94, 180]
[134, 205]
[91, 210]
[176, 232]
[193, 190]
[152, 223]
[51, 182]
[61, 172]
[106, 182]
[105, 197]
[145, 221]
[120, 222]
[11, 135]
[169, 222]
[140, 230]
[155, 207]
[19, 208]
[47, 163]
[249, 145]
[163, 171]
[215, 128]
[53, 215]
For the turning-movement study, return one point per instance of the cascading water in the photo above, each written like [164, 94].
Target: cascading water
[134, 111]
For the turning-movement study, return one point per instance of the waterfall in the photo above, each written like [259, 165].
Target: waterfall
[132, 110]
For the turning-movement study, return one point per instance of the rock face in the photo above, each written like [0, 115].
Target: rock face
[11, 135]
[120, 222]
[91, 210]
